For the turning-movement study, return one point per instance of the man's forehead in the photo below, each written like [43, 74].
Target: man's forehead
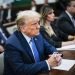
[34, 19]
[72, 2]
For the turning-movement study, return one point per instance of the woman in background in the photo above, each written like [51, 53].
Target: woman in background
[48, 29]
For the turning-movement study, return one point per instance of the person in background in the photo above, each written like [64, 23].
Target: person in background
[3, 39]
[66, 22]
[7, 9]
[33, 5]
[47, 28]
[26, 52]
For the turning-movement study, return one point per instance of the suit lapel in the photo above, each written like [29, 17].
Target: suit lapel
[25, 45]
[69, 19]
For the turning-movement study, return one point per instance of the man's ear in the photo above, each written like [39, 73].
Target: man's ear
[23, 28]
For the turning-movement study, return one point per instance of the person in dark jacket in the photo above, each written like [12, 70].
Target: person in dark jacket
[48, 30]
[66, 21]
[26, 52]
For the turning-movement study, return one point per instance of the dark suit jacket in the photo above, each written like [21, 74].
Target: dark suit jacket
[54, 40]
[65, 26]
[18, 58]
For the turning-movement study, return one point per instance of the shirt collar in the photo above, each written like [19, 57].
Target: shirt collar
[27, 37]
[69, 15]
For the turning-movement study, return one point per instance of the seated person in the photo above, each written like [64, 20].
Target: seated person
[48, 30]
[66, 22]
[26, 52]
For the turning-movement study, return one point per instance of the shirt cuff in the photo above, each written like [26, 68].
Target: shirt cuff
[48, 65]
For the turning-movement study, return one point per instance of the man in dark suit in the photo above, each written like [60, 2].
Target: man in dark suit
[66, 23]
[20, 57]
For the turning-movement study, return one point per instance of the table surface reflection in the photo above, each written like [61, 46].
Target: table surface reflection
[66, 55]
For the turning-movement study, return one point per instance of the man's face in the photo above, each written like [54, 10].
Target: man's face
[51, 16]
[32, 27]
[72, 7]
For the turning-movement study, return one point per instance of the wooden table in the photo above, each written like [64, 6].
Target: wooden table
[66, 55]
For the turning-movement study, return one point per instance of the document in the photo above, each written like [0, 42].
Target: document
[66, 65]
[68, 47]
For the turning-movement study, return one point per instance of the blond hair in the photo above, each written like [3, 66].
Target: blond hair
[24, 16]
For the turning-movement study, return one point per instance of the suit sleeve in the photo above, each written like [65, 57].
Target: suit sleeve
[49, 49]
[66, 27]
[15, 59]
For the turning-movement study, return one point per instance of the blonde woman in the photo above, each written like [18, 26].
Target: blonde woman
[47, 29]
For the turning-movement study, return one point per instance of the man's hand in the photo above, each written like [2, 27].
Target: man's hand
[54, 60]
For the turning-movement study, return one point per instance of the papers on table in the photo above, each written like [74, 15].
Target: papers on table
[68, 47]
[65, 65]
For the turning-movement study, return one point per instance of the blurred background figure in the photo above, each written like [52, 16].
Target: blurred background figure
[46, 2]
[48, 29]
[33, 5]
[66, 22]
[3, 39]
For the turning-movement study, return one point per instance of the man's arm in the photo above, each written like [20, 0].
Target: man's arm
[49, 49]
[66, 27]
[20, 64]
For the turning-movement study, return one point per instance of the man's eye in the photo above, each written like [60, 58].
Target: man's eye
[36, 23]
